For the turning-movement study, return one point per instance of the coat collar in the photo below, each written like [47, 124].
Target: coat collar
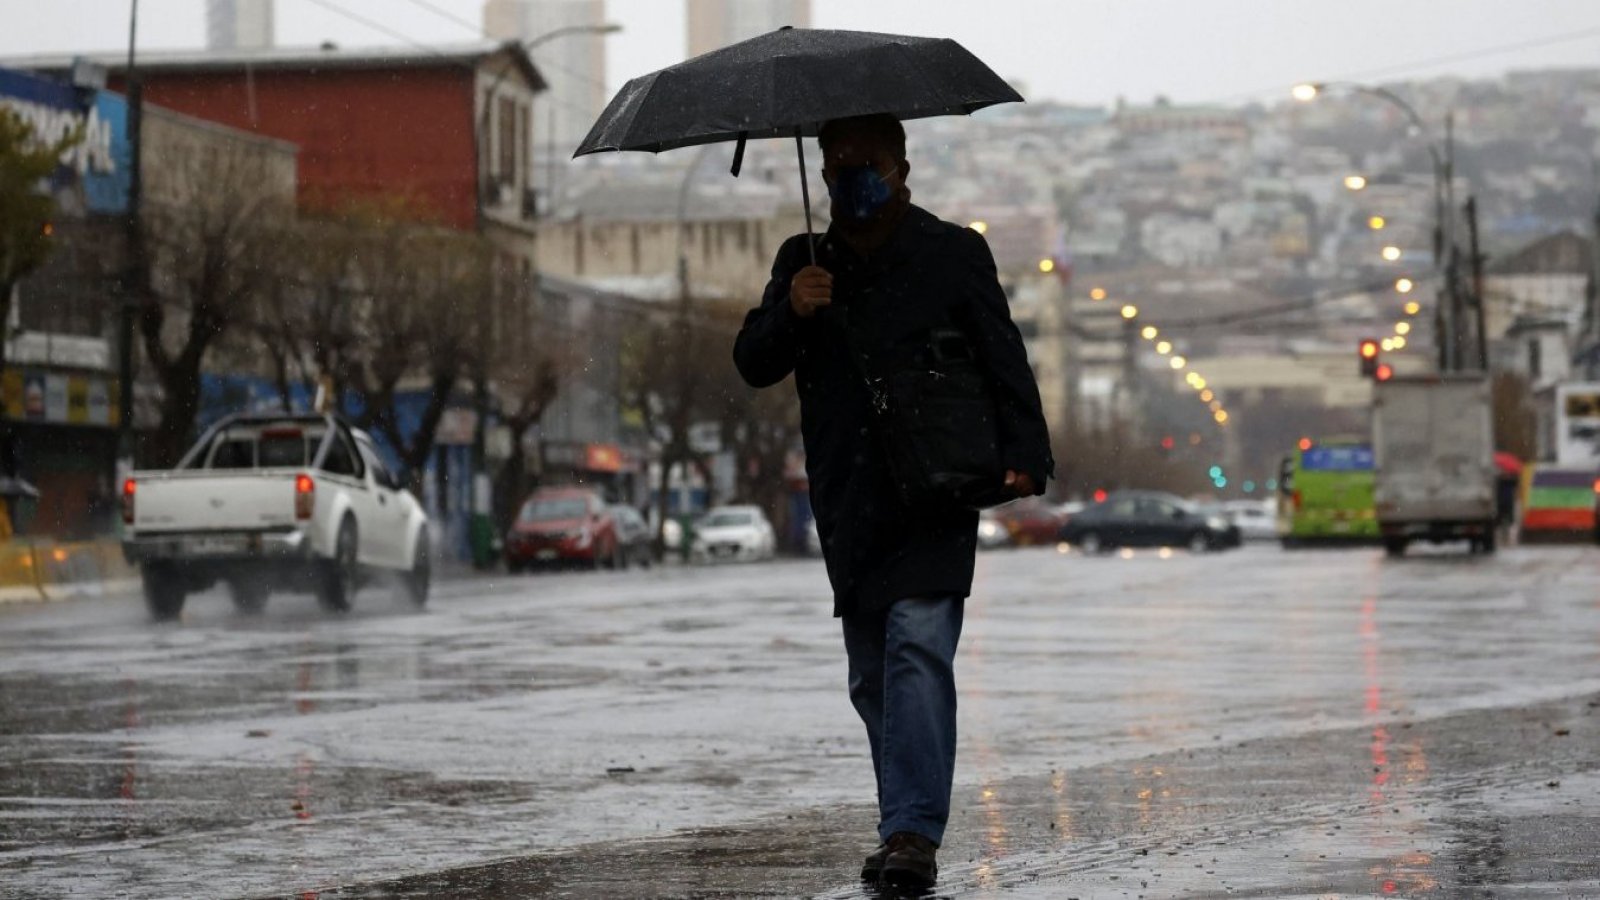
[903, 241]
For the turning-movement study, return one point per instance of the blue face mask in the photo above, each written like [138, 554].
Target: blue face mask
[859, 192]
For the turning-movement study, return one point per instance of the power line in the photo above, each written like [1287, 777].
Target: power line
[374, 25]
[447, 15]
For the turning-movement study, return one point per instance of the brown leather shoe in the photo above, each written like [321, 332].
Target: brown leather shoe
[872, 866]
[912, 861]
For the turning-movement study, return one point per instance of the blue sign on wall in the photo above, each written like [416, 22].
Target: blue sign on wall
[95, 172]
[1337, 459]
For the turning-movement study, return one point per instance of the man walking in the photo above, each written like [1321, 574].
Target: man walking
[887, 275]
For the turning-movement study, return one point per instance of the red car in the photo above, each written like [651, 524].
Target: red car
[563, 526]
[1030, 521]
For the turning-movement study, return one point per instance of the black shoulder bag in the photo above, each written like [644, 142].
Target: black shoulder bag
[938, 424]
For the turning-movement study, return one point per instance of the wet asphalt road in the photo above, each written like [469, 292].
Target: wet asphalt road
[1255, 724]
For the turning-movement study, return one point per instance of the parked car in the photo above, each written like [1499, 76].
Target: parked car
[633, 536]
[1030, 521]
[268, 503]
[1148, 519]
[1257, 519]
[733, 533]
[563, 526]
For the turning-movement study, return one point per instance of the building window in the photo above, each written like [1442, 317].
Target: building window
[508, 139]
[524, 136]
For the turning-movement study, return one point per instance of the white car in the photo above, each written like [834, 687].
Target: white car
[1257, 519]
[264, 503]
[733, 534]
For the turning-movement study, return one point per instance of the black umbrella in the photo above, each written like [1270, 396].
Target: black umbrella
[789, 82]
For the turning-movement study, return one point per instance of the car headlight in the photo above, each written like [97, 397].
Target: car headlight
[1217, 524]
[989, 530]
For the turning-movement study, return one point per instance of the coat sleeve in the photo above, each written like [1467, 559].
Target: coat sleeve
[1024, 436]
[769, 341]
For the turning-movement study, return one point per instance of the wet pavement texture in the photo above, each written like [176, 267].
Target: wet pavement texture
[1251, 724]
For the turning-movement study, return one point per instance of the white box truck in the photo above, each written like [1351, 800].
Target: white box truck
[1433, 443]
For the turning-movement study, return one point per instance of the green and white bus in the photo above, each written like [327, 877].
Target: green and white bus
[1325, 495]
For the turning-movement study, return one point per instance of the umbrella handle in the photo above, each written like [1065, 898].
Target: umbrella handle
[805, 194]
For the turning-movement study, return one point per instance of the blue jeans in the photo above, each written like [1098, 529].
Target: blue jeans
[902, 683]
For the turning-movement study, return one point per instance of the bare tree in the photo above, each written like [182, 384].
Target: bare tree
[527, 361]
[212, 252]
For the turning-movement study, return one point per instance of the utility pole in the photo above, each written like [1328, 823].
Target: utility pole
[1477, 284]
[135, 276]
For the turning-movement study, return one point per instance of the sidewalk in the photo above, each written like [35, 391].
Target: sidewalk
[37, 570]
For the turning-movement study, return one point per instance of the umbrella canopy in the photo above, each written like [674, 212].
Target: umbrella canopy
[788, 82]
[1507, 464]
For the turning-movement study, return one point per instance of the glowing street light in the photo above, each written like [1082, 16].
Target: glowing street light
[1222, 417]
[980, 226]
[1130, 312]
[1206, 396]
[1413, 308]
[1404, 285]
[1305, 93]
[1355, 182]
[1402, 328]
[1391, 253]
[1097, 293]
[1047, 265]
[1164, 348]
[1216, 406]
[1387, 344]
[1397, 343]
[1177, 362]
[1149, 333]
[1199, 383]
[1377, 223]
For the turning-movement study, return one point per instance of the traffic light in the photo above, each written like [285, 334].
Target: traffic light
[1369, 358]
[1167, 443]
[1384, 372]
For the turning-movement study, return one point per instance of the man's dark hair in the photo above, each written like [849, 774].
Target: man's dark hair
[882, 126]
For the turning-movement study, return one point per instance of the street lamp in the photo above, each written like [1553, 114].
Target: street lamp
[1177, 362]
[1047, 265]
[1149, 333]
[1391, 253]
[1096, 294]
[1402, 328]
[1164, 348]
[1404, 285]
[1413, 308]
[1443, 196]
[1355, 182]
[1130, 312]
[1377, 223]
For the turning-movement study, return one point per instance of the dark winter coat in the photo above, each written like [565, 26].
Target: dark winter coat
[930, 274]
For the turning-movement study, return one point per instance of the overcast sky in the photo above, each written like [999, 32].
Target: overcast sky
[1089, 51]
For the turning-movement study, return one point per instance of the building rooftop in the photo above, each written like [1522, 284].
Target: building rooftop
[327, 56]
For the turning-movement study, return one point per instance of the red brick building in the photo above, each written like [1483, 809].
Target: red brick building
[448, 130]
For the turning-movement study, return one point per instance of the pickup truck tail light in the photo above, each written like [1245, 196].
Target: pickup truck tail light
[305, 496]
[129, 489]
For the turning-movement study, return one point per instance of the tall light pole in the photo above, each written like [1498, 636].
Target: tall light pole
[134, 275]
[1444, 242]
[482, 498]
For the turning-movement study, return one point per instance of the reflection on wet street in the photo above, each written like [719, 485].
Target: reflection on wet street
[1254, 724]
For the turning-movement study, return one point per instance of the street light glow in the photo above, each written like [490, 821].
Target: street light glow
[1199, 383]
[1097, 294]
[1391, 253]
[1177, 362]
[1047, 265]
[1305, 93]
[1402, 328]
[1387, 344]
[1413, 308]
[1398, 343]
[1355, 182]
[1130, 312]
[1404, 285]
[980, 226]
[1222, 416]
[1149, 333]
[1206, 396]
[1376, 223]
[1164, 348]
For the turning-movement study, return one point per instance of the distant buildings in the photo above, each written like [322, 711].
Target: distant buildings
[718, 23]
[238, 24]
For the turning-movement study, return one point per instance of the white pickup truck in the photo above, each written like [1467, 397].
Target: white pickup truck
[1433, 443]
[265, 503]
